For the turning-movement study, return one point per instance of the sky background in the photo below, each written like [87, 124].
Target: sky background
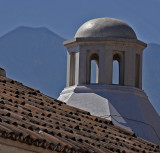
[65, 16]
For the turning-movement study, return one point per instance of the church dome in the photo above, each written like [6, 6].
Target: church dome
[106, 27]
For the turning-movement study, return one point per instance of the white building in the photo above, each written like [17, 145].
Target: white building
[105, 40]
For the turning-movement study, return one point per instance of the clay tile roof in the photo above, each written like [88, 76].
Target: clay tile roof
[30, 117]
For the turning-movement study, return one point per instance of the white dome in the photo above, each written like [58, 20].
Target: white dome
[106, 27]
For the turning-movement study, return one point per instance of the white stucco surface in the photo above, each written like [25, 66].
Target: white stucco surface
[127, 107]
[106, 27]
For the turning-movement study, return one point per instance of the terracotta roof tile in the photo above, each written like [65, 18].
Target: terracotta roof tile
[28, 116]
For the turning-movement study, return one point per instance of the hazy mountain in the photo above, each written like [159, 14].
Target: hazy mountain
[151, 73]
[36, 57]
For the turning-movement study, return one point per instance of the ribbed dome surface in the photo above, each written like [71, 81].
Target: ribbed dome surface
[106, 27]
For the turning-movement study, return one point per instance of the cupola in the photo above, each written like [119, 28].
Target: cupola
[105, 40]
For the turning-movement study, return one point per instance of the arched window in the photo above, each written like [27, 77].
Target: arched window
[94, 69]
[115, 79]
[116, 69]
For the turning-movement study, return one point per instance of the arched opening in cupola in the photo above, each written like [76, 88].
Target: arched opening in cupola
[115, 79]
[116, 73]
[94, 69]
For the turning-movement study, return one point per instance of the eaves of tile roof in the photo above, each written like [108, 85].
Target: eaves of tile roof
[30, 117]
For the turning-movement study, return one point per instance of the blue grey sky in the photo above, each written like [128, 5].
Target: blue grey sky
[65, 16]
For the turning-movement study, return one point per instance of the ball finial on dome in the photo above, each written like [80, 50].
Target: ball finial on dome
[106, 27]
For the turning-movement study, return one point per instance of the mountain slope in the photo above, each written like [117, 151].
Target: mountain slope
[36, 57]
[151, 74]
